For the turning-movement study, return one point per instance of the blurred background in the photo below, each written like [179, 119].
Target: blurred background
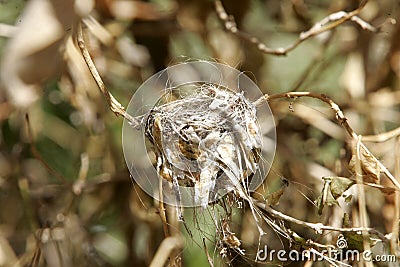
[66, 197]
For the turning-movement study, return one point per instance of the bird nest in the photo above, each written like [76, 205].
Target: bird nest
[206, 137]
[202, 132]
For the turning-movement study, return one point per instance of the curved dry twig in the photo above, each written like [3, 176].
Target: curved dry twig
[113, 103]
[290, 95]
[339, 117]
[315, 226]
[165, 250]
[326, 24]
[382, 137]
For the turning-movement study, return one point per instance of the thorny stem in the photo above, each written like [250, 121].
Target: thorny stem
[339, 117]
[326, 24]
[113, 103]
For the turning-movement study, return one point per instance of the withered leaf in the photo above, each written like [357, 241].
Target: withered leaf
[326, 197]
[274, 197]
[348, 198]
[369, 166]
[383, 189]
[333, 188]
[339, 185]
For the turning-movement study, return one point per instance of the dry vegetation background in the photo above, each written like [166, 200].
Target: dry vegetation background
[66, 197]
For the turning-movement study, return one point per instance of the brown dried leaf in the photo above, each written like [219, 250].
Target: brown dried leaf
[339, 185]
[334, 187]
[274, 197]
[383, 189]
[326, 197]
[369, 165]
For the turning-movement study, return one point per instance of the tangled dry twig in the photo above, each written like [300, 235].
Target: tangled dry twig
[342, 121]
[116, 107]
[326, 24]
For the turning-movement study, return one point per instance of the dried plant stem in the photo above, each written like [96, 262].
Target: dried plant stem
[167, 247]
[362, 207]
[58, 250]
[382, 137]
[172, 242]
[171, 213]
[80, 183]
[315, 226]
[7, 30]
[394, 245]
[210, 261]
[36, 256]
[339, 114]
[163, 216]
[326, 24]
[339, 117]
[113, 103]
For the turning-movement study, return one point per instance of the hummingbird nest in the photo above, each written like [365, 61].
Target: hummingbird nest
[206, 137]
